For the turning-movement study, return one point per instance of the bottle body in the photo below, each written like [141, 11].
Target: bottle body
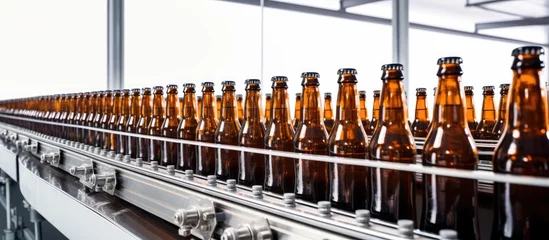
[364, 111]
[170, 127]
[471, 113]
[143, 151]
[113, 122]
[206, 131]
[501, 122]
[328, 113]
[488, 119]
[104, 124]
[420, 127]
[227, 133]
[155, 126]
[187, 129]
[122, 141]
[375, 113]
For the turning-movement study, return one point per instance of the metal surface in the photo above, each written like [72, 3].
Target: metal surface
[344, 4]
[418, 168]
[512, 23]
[400, 29]
[8, 162]
[115, 44]
[358, 17]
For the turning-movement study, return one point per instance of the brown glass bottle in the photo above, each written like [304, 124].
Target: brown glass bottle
[328, 113]
[90, 120]
[132, 123]
[113, 121]
[393, 192]
[297, 110]
[158, 114]
[252, 134]
[205, 132]
[420, 127]
[349, 189]
[502, 112]
[268, 105]
[143, 149]
[240, 108]
[170, 127]
[121, 126]
[64, 112]
[218, 106]
[363, 111]
[311, 137]
[522, 212]
[48, 109]
[279, 135]
[82, 117]
[375, 112]
[471, 113]
[70, 132]
[104, 124]
[187, 129]
[450, 203]
[488, 117]
[199, 103]
[227, 133]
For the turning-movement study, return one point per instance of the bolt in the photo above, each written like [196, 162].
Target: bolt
[154, 165]
[325, 208]
[231, 185]
[103, 152]
[119, 157]
[189, 174]
[171, 170]
[108, 187]
[72, 170]
[205, 228]
[208, 216]
[73, 144]
[406, 227]
[289, 200]
[185, 231]
[212, 180]
[363, 216]
[111, 154]
[127, 159]
[448, 234]
[44, 158]
[139, 162]
[63, 141]
[257, 191]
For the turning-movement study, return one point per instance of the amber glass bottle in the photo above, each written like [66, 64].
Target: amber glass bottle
[113, 121]
[73, 101]
[81, 117]
[279, 171]
[63, 113]
[47, 108]
[471, 113]
[268, 105]
[205, 162]
[143, 149]
[92, 115]
[218, 106]
[420, 127]
[240, 108]
[187, 129]
[328, 113]
[450, 203]
[170, 126]
[125, 107]
[227, 133]
[311, 137]
[158, 114]
[488, 117]
[522, 212]
[199, 103]
[363, 111]
[297, 110]
[131, 124]
[348, 183]
[375, 112]
[104, 124]
[502, 112]
[252, 134]
[393, 192]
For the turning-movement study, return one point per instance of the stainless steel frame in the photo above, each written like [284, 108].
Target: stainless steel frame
[115, 44]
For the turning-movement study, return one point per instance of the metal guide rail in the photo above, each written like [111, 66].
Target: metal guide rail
[206, 207]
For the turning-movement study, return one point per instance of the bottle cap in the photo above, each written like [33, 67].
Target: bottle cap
[346, 71]
[298, 94]
[469, 88]
[158, 88]
[252, 81]
[126, 90]
[421, 89]
[392, 66]
[208, 84]
[327, 94]
[172, 86]
[504, 85]
[488, 88]
[362, 92]
[310, 75]
[145, 89]
[238, 95]
[117, 91]
[218, 96]
[189, 85]
[268, 95]
[136, 90]
[279, 78]
[534, 50]
[107, 91]
[230, 83]
[377, 91]
[450, 60]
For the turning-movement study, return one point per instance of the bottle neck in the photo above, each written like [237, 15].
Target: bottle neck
[449, 104]
[502, 113]
[422, 113]
[363, 109]
[311, 105]
[393, 107]
[268, 104]
[146, 107]
[252, 109]
[228, 112]
[347, 103]
[126, 104]
[280, 106]
[240, 108]
[172, 105]
[209, 110]
[471, 114]
[136, 104]
[83, 105]
[117, 105]
[375, 109]
[189, 106]
[328, 113]
[488, 108]
[297, 110]
[107, 105]
[525, 111]
[72, 105]
[158, 108]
